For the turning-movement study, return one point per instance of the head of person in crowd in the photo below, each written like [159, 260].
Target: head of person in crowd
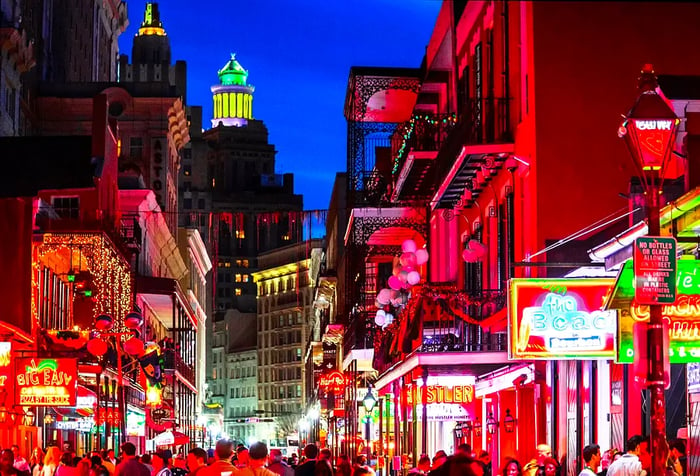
[543, 452]
[464, 449]
[146, 459]
[311, 451]
[53, 456]
[95, 460]
[128, 450]
[161, 459]
[459, 464]
[325, 454]
[485, 457]
[275, 456]
[242, 456]
[424, 463]
[67, 459]
[551, 467]
[224, 450]
[512, 468]
[592, 457]
[7, 460]
[196, 458]
[639, 446]
[439, 459]
[257, 455]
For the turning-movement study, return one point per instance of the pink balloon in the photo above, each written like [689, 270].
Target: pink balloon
[395, 283]
[408, 259]
[413, 278]
[421, 256]
[469, 256]
[408, 246]
[384, 296]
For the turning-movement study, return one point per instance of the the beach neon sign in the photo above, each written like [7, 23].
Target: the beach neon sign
[561, 318]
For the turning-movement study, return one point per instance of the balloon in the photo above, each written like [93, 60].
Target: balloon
[97, 347]
[380, 318]
[384, 296]
[408, 269]
[479, 249]
[469, 256]
[389, 318]
[134, 346]
[421, 256]
[413, 278]
[403, 276]
[408, 246]
[408, 259]
[104, 322]
[395, 283]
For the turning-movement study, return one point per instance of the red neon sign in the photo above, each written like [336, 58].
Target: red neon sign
[46, 382]
[6, 387]
[332, 382]
[442, 394]
[560, 319]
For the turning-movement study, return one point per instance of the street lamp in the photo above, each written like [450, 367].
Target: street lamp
[649, 131]
[368, 402]
[508, 422]
[491, 424]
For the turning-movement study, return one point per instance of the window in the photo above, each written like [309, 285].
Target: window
[240, 234]
[245, 263]
[187, 170]
[238, 278]
[239, 291]
[245, 278]
[231, 393]
[200, 204]
[136, 147]
[238, 263]
[187, 203]
[227, 264]
[67, 207]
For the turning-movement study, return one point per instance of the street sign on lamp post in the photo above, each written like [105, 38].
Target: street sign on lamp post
[649, 131]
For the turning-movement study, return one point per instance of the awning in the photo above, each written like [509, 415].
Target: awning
[171, 437]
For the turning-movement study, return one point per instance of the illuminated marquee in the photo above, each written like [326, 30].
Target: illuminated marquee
[332, 382]
[46, 382]
[444, 402]
[560, 319]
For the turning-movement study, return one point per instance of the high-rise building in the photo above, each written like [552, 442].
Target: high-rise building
[286, 287]
[230, 190]
[151, 58]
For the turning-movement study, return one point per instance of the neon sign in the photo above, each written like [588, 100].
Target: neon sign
[560, 319]
[46, 382]
[431, 394]
[682, 316]
[332, 382]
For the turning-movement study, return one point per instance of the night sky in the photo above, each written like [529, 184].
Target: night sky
[298, 54]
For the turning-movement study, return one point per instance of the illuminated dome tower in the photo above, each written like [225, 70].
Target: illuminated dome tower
[233, 98]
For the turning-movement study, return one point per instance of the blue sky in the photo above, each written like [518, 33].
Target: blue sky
[298, 54]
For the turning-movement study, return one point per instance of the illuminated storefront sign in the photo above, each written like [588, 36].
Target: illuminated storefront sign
[444, 402]
[6, 388]
[83, 425]
[332, 382]
[560, 319]
[46, 382]
[682, 316]
[135, 423]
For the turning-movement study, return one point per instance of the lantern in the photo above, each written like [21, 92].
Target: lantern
[104, 322]
[369, 401]
[508, 422]
[133, 320]
[491, 424]
[477, 428]
[97, 347]
[134, 346]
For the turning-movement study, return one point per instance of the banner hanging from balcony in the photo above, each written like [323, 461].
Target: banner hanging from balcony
[560, 319]
[46, 382]
[682, 315]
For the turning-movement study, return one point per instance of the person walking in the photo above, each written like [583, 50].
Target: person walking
[308, 467]
[592, 458]
[20, 463]
[196, 460]
[257, 457]
[161, 463]
[631, 463]
[277, 465]
[223, 453]
[130, 464]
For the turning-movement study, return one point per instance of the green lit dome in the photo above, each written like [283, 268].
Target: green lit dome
[233, 73]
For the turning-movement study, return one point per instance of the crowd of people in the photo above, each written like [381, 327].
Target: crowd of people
[228, 460]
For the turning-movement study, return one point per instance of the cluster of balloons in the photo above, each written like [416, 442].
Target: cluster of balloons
[404, 276]
[474, 251]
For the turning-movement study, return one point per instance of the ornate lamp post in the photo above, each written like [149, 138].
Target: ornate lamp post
[649, 131]
[369, 402]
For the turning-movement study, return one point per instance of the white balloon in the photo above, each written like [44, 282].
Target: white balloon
[413, 278]
[380, 318]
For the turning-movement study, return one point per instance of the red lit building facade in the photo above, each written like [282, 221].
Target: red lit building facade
[500, 145]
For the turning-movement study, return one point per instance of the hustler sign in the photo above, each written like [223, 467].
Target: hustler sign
[560, 319]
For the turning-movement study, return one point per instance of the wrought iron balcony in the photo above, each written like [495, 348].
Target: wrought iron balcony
[414, 146]
[173, 362]
[359, 334]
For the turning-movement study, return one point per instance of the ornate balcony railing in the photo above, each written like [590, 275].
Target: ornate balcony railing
[359, 334]
[449, 321]
[424, 132]
[173, 362]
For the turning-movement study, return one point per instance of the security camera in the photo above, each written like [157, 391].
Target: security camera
[520, 380]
